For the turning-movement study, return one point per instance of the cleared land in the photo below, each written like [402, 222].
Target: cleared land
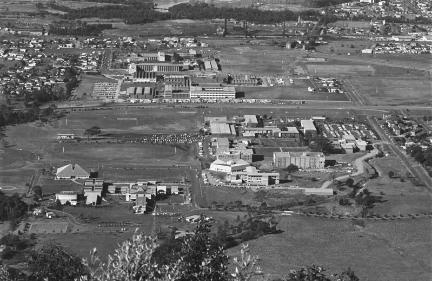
[399, 194]
[296, 92]
[396, 250]
[394, 90]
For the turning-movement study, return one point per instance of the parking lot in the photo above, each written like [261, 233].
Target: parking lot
[338, 131]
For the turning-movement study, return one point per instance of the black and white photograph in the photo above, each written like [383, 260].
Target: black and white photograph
[215, 140]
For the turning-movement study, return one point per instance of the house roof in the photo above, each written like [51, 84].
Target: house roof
[71, 170]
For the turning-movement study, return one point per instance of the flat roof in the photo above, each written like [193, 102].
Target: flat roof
[220, 128]
[291, 130]
[251, 119]
[308, 125]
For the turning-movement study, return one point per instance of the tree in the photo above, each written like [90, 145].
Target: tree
[53, 262]
[391, 174]
[37, 192]
[350, 182]
[11, 207]
[292, 168]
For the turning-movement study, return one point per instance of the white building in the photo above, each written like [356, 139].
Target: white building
[213, 92]
[67, 196]
[308, 127]
[229, 167]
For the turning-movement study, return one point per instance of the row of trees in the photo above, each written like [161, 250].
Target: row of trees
[198, 257]
[10, 117]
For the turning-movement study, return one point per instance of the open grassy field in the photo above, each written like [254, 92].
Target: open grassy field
[164, 28]
[329, 70]
[289, 93]
[148, 120]
[382, 251]
[394, 90]
[262, 60]
[400, 196]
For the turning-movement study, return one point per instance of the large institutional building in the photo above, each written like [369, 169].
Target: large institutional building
[303, 160]
[212, 92]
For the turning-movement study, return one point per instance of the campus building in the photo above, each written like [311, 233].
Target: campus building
[303, 160]
[212, 92]
[144, 76]
[71, 171]
[251, 176]
[308, 127]
[228, 167]
[178, 82]
[160, 67]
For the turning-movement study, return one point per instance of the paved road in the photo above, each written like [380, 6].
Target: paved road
[319, 105]
[413, 167]
[358, 163]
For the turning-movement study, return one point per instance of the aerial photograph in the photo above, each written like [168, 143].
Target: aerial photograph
[216, 140]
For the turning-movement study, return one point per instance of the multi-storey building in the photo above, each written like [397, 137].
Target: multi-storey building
[303, 160]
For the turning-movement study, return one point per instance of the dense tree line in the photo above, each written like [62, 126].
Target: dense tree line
[11, 207]
[83, 30]
[205, 11]
[139, 12]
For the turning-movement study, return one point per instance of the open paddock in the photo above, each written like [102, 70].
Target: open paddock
[331, 70]
[394, 90]
[399, 194]
[289, 93]
[395, 250]
[261, 60]
[132, 173]
[115, 155]
[148, 120]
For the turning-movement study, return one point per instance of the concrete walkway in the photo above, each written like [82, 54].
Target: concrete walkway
[358, 164]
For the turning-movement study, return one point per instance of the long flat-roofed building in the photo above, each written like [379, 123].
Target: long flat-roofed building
[308, 127]
[212, 92]
[303, 160]
[160, 67]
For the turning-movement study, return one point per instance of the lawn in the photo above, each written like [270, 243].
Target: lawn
[397, 250]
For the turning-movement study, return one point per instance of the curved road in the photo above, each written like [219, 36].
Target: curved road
[358, 163]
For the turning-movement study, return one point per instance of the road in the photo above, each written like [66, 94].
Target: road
[358, 163]
[320, 105]
[411, 165]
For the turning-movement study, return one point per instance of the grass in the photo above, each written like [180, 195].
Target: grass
[400, 197]
[296, 92]
[394, 90]
[329, 70]
[397, 250]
